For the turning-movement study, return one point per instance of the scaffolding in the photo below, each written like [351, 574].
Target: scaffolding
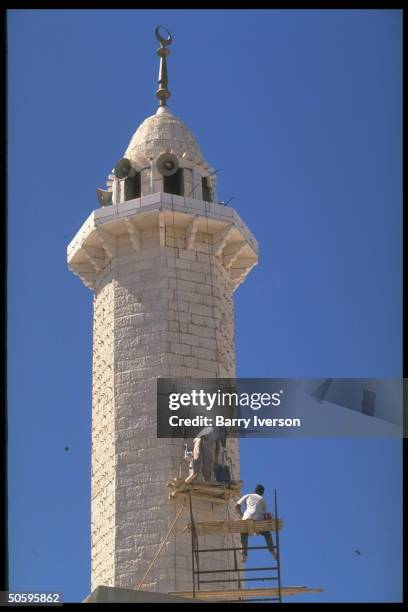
[222, 493]
[199, 576]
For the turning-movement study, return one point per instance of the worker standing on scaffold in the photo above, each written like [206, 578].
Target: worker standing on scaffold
[255, 509]
[207, 450]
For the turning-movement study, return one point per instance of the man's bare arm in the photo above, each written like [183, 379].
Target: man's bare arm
[239, 511]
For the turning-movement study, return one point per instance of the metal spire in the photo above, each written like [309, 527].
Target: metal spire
[163, 93]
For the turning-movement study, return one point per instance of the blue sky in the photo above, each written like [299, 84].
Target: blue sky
[302, 112]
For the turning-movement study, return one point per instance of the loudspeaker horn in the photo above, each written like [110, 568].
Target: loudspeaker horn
[104, 197]
[167, 164]
[123, 169]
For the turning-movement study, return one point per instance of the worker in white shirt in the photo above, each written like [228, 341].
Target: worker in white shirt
[255, 509]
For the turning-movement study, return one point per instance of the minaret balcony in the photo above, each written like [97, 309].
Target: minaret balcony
[177, 219]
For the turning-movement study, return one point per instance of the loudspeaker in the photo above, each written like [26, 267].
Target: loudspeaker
[123, 169]
[104, 197]
[167, 164]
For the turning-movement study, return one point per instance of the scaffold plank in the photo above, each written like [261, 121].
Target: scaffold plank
[239, 526]
[209, 491]
[231, 594]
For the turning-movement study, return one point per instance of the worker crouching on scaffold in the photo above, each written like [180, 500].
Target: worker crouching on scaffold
[254, 509]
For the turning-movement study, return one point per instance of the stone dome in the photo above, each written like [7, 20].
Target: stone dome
[161, 132]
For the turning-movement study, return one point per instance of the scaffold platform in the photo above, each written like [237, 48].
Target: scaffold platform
[243, 594]
[215, 492]
[236, 526]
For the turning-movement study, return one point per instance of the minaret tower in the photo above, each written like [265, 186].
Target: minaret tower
[163, 258]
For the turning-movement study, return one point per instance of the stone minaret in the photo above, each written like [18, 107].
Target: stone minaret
[163, 259]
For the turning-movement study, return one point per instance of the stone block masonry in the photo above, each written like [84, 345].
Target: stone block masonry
[138, 336]
[160, 309]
